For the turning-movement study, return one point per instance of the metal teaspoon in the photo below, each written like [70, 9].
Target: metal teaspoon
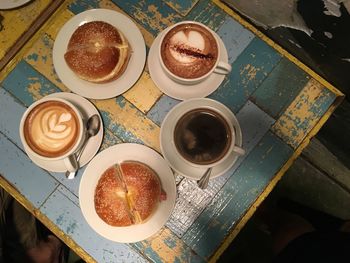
[92, 128]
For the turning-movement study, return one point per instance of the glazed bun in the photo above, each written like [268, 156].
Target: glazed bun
[97, 52]
[127, 194]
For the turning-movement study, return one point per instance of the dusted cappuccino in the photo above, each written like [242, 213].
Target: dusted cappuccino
[51, 129]
[189, 50]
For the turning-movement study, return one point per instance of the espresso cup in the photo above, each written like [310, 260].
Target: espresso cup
[52, 129]
[189, 52]
[204, 137]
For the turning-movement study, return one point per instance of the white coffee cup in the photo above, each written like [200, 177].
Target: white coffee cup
[220, 67]
[73, 149]
[230, 149]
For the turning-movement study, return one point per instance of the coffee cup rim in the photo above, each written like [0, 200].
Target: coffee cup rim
[230, 149]
[77, 143]
[181, 79]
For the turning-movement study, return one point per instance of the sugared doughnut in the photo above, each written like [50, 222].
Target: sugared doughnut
[97, 52]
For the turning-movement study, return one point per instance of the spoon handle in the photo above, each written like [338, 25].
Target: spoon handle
[71, 175]
[204, 180]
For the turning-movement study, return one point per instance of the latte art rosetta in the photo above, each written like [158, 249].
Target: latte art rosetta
[51, 128]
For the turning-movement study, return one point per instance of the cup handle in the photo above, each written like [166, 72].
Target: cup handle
[238, 150]
[223, 68]
[71, 163]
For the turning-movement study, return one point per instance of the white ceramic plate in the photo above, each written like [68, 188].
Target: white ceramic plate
[116, 154]
[168, 147]
[176, 90]
[105, 90]
[87, 109]
[8, 4]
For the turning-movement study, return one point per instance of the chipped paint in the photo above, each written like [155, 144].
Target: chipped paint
[129, 123]
[182, 6]
[153, 15]
[144, 93]
[40, 57]
[249, 71]
[303, 113]
[166, 247]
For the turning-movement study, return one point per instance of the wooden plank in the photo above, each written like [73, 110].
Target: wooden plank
[16, 22]
[22, 174]
[280, 88]
[238, 194]
[235, 37]
[248, 72]
[62, 208]
[11, 111]
[167, 247]
[27, 84]
[303, 113]
[207, 13]
[144, 93]
[40, 58]
[127, 122]
[182, 6]
[191, 200]
[161, 108]
[153, 15]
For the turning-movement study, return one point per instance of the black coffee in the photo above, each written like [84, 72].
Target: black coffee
[202, 136]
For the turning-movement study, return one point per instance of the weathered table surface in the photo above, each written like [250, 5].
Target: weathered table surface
[279, 102]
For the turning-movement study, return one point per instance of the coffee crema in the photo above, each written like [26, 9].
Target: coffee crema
[51, 129]
[189, 51]
[202, 136]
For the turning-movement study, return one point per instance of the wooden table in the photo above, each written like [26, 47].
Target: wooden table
[279, 102]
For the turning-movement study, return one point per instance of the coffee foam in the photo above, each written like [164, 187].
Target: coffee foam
[191, 40]
[51, 129]
[189, 50]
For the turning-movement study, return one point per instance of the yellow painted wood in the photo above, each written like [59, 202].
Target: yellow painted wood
[17, 21]
[40, 57]
[285, 126]
[278, 47]
[166, 253]
[54, 27]
[144, 94]
[130, 118]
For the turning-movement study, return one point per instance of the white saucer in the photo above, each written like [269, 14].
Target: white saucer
[117, 154]
[168, 147]
[87, 109]
[176, 90]
[113, 88]
[8, 4]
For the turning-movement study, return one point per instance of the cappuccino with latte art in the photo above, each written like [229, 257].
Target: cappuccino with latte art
[189, 50]
[51, 129]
